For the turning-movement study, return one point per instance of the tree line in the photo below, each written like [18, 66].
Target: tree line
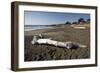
[80, 21]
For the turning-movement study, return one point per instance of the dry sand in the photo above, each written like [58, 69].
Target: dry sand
[47, 52]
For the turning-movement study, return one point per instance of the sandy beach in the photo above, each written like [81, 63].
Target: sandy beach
[64, 33]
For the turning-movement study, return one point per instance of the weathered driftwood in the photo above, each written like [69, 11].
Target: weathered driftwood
[49, 41]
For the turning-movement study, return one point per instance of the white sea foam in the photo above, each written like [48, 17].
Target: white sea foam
[35, 27]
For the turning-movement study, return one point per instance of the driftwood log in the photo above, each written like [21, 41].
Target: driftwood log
[48, 41]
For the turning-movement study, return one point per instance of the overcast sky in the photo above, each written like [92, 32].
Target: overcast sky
[48, 18]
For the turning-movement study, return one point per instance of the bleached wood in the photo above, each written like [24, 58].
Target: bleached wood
[49, 41]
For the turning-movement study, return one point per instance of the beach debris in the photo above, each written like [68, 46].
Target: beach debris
[48, 41]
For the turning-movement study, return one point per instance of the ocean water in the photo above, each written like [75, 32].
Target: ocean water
[34, 27]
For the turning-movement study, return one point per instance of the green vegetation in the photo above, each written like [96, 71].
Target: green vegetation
[68, 22]
[80, 21]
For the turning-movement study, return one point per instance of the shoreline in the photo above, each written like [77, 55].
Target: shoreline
[37, 28]
[38, 31]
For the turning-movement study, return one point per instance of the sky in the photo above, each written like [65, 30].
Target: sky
[49, 18]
